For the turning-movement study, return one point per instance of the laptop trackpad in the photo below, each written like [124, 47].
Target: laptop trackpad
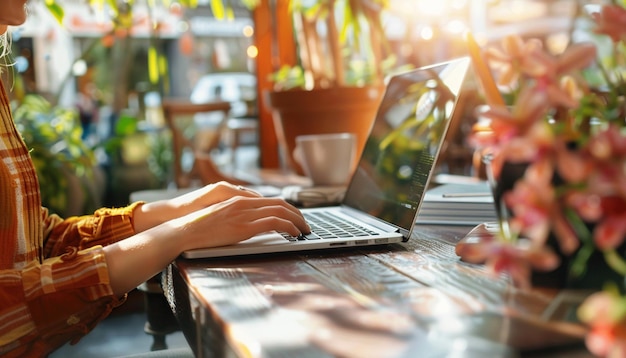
[262, 243]
[270, 238]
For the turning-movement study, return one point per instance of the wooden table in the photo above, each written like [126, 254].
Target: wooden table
[402, 300]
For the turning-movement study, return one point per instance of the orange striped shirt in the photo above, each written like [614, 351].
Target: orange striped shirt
[54, 283]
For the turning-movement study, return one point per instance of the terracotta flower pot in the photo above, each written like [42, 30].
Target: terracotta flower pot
[320, 111]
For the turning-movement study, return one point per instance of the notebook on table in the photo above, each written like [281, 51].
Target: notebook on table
[386, 190]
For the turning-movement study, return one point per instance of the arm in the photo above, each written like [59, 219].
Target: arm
[109, 225]
[207, 223]
[214, 215]
[81, 282]
[153, 214]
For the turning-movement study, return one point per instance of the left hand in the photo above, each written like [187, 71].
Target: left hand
[209, 195]
[155, 213]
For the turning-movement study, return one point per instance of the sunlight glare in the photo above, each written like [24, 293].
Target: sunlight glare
[252, 51]
[428, 8]
[456, 27]
[427, 33]
[248, 31]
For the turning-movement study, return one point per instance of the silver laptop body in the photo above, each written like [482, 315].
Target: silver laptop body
[386, 189]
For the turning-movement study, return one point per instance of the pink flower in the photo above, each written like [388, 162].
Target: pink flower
[516, 135]
[570, 135]
[608, 144]
[611, 21]
[586, 204]
[572, 166]
[567, 238]
[513, 58]
[555, 83]
[611, 231]
[532, 201]
[516, 258]
[604, 312]
[607, 150]
[519, 63]
[520, 132]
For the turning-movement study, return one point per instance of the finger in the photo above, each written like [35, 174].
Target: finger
[213, 193]
[247, 210]
[293, 215]
[276, 202]
[243, 224]
[273, 207]
[269, 223]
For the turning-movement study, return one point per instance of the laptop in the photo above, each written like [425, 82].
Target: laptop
[386, 189]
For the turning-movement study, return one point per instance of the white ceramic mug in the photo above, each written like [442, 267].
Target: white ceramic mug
[327, 159]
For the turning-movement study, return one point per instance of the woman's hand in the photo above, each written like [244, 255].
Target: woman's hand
[153, 214]
[209, 195]
[216, 215]
[236, 219]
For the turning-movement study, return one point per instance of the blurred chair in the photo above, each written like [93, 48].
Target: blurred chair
[194, 137]
[236, 129]
[240, 90]
[192, 144]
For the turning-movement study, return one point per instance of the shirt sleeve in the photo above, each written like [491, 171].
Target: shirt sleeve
[63, 297]
[104, 227]
[50, 303]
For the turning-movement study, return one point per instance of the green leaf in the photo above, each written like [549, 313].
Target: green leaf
[217, 6]
[153, 65]
[189, 3]
[56, 10]
[126, 125]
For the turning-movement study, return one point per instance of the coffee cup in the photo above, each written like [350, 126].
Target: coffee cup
[327, 159]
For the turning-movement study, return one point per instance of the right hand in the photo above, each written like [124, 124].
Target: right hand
[236, 219]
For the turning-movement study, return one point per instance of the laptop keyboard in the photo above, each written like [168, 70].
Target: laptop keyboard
[324, 226]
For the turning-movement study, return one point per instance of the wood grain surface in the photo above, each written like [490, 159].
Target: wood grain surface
[415, 299]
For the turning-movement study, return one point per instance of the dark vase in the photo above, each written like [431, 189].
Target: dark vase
[597, 272]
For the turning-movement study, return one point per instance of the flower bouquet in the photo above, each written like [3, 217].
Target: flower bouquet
[562, 119]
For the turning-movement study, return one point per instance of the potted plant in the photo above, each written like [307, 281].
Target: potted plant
[564, 125]
[70, 178]
[113, 52]
[337, 82]
[342, 59]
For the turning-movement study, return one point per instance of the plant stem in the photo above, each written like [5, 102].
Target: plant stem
[335, 48]
[617, 263]
[579, 266]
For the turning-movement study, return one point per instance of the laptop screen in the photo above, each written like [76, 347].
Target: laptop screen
[405, 139]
